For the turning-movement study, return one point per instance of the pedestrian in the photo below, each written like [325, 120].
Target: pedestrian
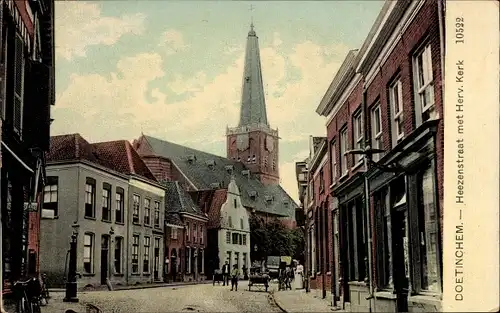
[225, 274]
[235, 273]
[245, 272]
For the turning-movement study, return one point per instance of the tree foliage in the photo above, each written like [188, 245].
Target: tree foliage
[274, 239]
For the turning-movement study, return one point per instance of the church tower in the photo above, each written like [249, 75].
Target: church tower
[254, 142]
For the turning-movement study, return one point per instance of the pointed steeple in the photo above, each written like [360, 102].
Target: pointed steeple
[253, 103]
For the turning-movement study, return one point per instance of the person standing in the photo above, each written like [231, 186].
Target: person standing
[235, 274]
[225, 274]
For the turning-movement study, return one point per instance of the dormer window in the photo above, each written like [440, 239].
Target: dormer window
[245, 173]
[269, 199]
[253, 158]
[249, 159]
[211, 164]
[239, 159]
[215, 185]
[252, 194]
[191, 158]
[229, 168]
[285, 203]
[265, 161]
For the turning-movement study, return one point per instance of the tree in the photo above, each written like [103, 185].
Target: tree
[274, 239]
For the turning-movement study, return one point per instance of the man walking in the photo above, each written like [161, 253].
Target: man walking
[235, 273]
[225, 274]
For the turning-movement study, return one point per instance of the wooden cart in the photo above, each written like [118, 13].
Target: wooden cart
[256, 277]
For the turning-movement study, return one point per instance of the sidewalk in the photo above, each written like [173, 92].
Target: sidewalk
[141, 286]
[56, 305]
[299, 301]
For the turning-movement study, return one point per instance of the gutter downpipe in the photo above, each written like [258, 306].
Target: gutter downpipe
[2, 310]
[367, 159]
[308, 256]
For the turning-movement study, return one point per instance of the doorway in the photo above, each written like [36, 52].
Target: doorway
[401, 256]
[156, 265]
[104, 258]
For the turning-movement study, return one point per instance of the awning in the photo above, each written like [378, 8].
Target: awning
[17, 158]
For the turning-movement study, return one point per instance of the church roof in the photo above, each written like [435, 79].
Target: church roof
[208, 171]
[253, 102]
[178, 201]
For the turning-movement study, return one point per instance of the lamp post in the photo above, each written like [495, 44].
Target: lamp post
[71, 285]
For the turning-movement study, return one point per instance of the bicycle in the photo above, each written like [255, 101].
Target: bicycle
[27, 294]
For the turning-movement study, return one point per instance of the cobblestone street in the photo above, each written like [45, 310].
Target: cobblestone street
[192, 298]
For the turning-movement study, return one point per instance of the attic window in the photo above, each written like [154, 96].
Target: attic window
[252, 194]
[215, 185]
[245, 173]
[285, 203]
[191, 158]
[249, 159]
[211, 164]
[229, 168]
[269, 199]
[253, 158]
[239, 159]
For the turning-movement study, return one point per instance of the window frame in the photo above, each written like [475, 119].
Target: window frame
[18, 96]
[228, 237]
[357, 135]
[188, 229]
[90, 195]
[91, 248]
[333, 157]
[106, 202]
[47, 189]
[147, 212]
[201, 234]
[118, 252]
[344, 140]
[119, 206]
[136, 209]
[157, 215]
[377, 138]
[146, 255]
[321, 181]
[195, 234]
[134, 260]
[173, 233]
[420, 87]
[395, 98]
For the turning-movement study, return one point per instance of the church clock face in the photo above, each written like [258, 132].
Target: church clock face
[269, 143]
[242, 142]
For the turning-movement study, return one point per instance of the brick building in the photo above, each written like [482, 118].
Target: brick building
[26, 94]
[388, 95]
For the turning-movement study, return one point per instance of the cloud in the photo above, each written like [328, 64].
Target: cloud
[277, 40]
[80, 24]
[172, 41]
[123, 104]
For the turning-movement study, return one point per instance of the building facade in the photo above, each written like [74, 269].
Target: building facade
[26, 94]
[234, 232]
[388, 96]
[92, 192]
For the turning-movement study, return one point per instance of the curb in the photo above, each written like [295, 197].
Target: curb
[277, 303]
[131, 287]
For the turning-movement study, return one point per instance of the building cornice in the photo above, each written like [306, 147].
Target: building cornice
[352, 81]
[194, 217]
[338, 83]
[320, 166]
[319, 154]
[94, 166]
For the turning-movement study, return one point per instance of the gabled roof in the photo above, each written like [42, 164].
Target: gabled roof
[177, 200]
[120, 156]
[71, 147]
[194, 165]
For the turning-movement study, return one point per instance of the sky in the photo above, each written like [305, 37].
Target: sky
[174, 69]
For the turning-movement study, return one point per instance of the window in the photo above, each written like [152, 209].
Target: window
[343, 150]
[173, 233]
[187, 232]
[230, 222]
[118, 255]
[157, 214]
[253, 159]
[358, 135]
[334, 162]
[145, 261]
[235, 203]
[274, 164]
[321, 181]
[396, 104]
[241, 223]
[428, 229]
[245, 241]
[135, 210]
[201, 234]
[18, 84]
[424, 85]
[356, 240]
[228, 237]
[119, 209]
[90, 198]
[50, 194]
[235, 239]
[147, 212]
[106, 202]
[383, 232]
[88, 253]
[135, 254]
[195, 232]
[376, 127]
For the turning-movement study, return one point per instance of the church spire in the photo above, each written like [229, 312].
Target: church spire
[253, 103]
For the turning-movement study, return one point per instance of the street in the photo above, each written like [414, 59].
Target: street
[190, 298]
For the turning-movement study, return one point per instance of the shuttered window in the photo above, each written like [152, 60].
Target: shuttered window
[18, 84]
